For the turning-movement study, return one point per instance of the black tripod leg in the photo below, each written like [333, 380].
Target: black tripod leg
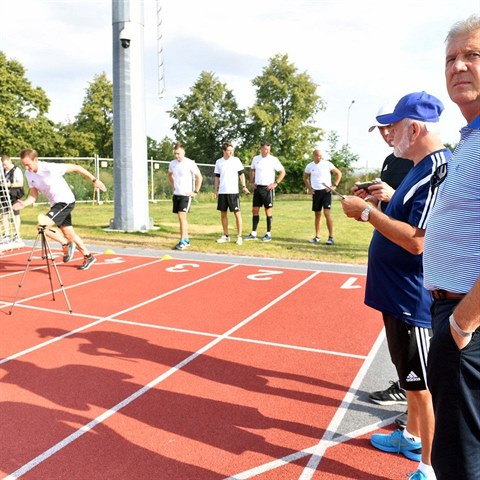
[25, 271]
[49, 256]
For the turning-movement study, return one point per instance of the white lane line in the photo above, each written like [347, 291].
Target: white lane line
[238, 339]
[273, 465]
[295, 347]
[327, 438]
[103, 319]
[107, 414]
[86, 282]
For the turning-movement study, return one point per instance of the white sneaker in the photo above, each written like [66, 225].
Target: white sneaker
[239, 240]
[224, 239]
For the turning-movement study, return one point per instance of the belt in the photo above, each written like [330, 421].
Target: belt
[444, 295]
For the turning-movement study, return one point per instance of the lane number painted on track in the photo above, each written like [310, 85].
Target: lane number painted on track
[182, 267]
[263, 275]
[112, 260]
[350, 283]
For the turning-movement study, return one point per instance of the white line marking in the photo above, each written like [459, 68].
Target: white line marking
[327, 438]
[295, 347]
[48, 342]
[350, 283]
[239, 339]
[267, 467]
[86, 282]
[107, 414]
[103, 319]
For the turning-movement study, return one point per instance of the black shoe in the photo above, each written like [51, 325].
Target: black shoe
[401, 420]
[88, 261]
[393, 395]
[68, 251]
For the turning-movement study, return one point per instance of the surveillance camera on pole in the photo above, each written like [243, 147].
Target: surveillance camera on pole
[126, 35]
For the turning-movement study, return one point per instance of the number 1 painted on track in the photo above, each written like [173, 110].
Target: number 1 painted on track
[349, 284]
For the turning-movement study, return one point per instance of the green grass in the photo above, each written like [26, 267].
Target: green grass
[293, 226]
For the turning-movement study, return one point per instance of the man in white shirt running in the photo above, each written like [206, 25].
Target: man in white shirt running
[318, 174]
[47, 178]
[185, 179]
[228, 171]
[262, 178]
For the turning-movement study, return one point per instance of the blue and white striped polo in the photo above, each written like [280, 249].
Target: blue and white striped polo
[452, 240]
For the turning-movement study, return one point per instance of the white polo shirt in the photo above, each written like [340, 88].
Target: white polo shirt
[229, 170]
[48, 180]
[320, 173]
[183, 175]
[265, 168]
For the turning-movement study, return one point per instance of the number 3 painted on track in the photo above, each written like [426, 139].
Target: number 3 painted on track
[263, 275]
[181, 267]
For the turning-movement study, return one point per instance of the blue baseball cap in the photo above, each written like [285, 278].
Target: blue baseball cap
[417, 106]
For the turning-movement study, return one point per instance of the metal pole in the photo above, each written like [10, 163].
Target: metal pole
[130, 168]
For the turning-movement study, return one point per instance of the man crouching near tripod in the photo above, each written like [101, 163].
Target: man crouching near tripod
[47, 178]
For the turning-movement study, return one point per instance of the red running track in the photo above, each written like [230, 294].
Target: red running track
[184, 370]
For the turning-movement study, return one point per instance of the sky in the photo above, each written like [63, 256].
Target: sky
[362, 54]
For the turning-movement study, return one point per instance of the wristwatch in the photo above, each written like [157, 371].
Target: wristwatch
[365, 215]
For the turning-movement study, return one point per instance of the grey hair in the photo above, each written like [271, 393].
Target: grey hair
[469, 25]
[430, 127]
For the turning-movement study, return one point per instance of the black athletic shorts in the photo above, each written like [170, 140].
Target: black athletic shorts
[262, 197]
[408, 347]
[61, 214]
[181, 203]
[228, 201]
[321, 199]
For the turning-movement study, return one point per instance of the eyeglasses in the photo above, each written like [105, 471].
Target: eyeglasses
[438, 176]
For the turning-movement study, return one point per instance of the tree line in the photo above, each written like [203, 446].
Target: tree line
[284, 112]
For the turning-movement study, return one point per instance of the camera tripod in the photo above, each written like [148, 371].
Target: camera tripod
[49, 261]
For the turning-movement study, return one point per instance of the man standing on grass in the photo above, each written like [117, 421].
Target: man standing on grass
[48, 179]
[395, 274]
[318, 174]
[228, 171]
[185, 178]
[262, 179]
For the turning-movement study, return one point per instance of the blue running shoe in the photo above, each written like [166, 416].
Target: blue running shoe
[396, 442]
[418, 475]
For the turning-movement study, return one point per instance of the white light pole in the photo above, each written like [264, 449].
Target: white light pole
[348, 118]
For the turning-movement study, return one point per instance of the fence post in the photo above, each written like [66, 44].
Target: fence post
[97, 175]
[152, 183]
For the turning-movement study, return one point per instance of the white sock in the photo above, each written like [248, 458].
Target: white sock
[427, 470]
[407, 435]
[254, 233]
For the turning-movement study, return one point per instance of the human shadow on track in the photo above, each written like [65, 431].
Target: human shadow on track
[28, 430]
[221, 424]
[118, 345]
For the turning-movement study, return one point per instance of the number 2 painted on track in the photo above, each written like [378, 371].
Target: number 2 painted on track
[182, 267]
[263, 275]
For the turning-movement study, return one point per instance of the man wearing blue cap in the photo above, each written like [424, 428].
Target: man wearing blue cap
[395, 273]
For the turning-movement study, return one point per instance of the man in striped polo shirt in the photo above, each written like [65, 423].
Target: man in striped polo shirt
[395, 274]
[452, 272]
